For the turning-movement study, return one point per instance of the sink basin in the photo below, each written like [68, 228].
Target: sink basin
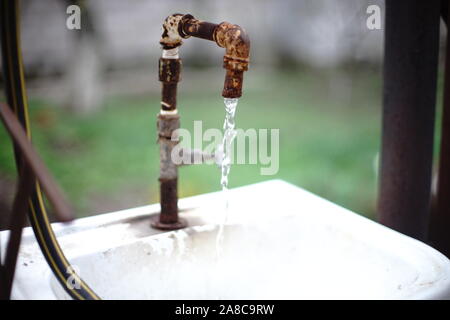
[280, 242]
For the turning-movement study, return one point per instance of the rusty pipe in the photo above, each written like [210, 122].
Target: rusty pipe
[236, 59]
[409, 99]
[226, 35]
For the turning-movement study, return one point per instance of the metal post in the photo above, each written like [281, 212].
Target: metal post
[409, 97]
[440, 215]
[18, 216]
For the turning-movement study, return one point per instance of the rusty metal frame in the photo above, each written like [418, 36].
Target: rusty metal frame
[409, 98]
[18, 216]
[15, 91]
[32, 169]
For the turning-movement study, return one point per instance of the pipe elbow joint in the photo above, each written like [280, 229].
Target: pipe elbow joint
[236, 59]
[171, 37]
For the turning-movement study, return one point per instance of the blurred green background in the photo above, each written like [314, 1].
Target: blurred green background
[109, 159]
[94, 98]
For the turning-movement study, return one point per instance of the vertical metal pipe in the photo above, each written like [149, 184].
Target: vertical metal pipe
[440, 216]
[168, 123]
[18, 217]
[409, 97]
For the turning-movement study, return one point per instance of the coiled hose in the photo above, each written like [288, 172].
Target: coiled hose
[15, 90]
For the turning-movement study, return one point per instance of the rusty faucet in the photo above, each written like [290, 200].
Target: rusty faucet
[236, 59]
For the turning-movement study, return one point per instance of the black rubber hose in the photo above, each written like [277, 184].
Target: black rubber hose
[14, 80]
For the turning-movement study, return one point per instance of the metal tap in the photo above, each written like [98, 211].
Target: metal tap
[235, 61]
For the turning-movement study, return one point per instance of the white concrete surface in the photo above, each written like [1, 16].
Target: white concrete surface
[281, 242]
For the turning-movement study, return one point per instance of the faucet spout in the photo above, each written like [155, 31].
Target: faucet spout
[236, 59]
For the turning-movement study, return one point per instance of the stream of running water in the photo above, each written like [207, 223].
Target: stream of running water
[226, 153]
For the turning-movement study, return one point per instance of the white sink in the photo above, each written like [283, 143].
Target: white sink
[280, 242]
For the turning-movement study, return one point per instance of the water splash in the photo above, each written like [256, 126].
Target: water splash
[226, 150]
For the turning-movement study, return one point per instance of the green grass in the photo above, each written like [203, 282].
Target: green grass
[328, 141]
